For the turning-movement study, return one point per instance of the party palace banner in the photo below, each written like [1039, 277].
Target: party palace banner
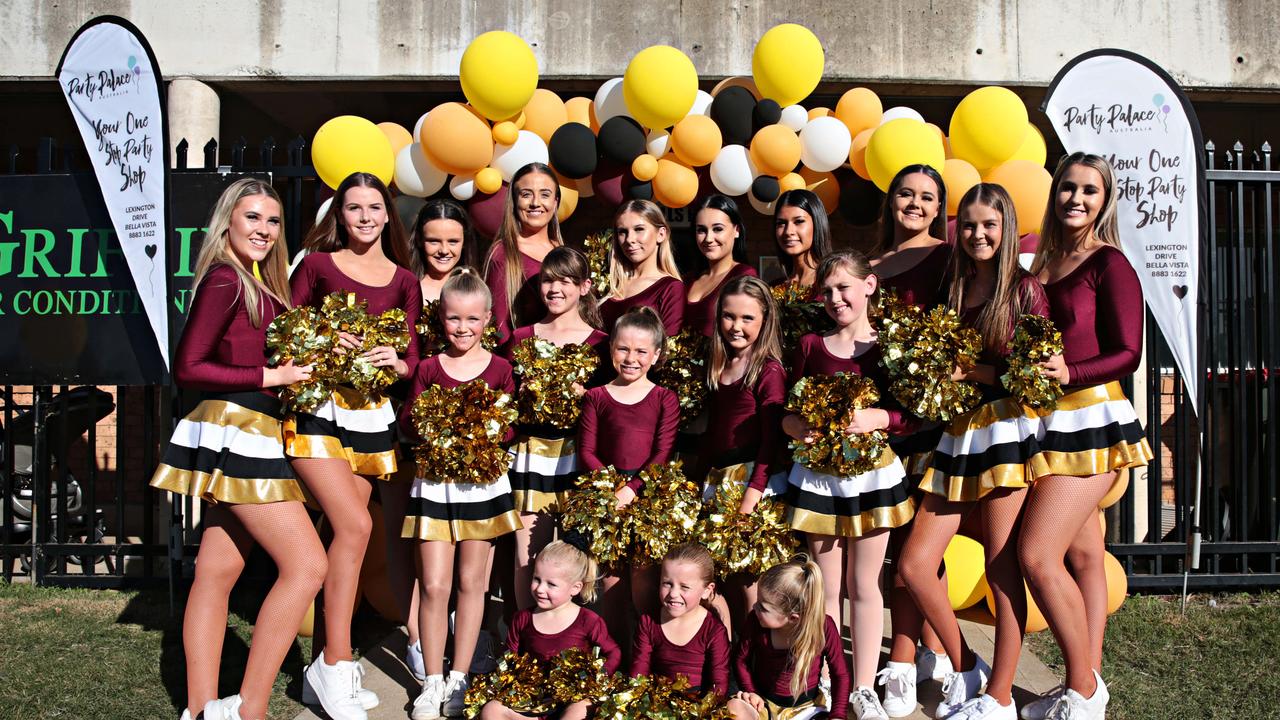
[1125, 108]
[110, 79]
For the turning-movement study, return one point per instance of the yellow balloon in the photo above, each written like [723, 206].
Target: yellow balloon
[696, 140]
[568, 201]
[988, 126]
[499, 74]
[859, 109]
[825, 185]
[456, 139]
[791, 181]
[1118, 486]
[787, 63]
[966, 567]
[775, 150]
[349, 144]
[899, 143]
[1028, 186]
[1035, 618]
[396, 135]
[544, 114]
[675, 185]
[659, 86]
[1117, 582]
[1033, 147]
[958, 175]
[644, 167]
[489, 180]
[858, 153]
[506, 133]
[307, 627]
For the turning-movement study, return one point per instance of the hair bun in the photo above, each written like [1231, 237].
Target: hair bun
[577, 539]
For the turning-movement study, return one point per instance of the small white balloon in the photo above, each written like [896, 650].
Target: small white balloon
[762, 207]
[732, 171]
[824, 144]
[901, 111]
[794, 117]
[415, 174]
[701, 103]
[324, 208]
[417, 127]
[658, 142]
[462, 187]
[528, 148]
[609, 100]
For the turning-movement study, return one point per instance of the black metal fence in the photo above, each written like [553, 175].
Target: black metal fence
[77, 511]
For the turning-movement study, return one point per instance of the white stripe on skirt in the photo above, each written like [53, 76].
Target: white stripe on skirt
[191, 434]
[817, 483]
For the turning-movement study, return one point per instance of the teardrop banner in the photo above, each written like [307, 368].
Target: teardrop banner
[113, 86]
[1124, 107]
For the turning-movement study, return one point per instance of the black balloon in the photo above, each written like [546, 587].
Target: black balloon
[860, 200]
[732, 110]
[640, 190]
[765, 188]
[621, 139]
[767, 112]
[573, 150]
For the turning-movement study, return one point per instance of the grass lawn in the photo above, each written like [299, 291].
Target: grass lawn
[108, 654]
[1217, 661]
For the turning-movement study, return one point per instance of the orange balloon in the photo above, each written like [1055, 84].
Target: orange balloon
[958, 176]
[568, 200]
[1035, 618]
[1118, 488]
[456, 139]
[742, 82]
[675, 185]
[696, 140]
[307, 627]
[790, 181]
[1117, 582]
[506, 133]
[818, 112]
[946, 147]
[776, 150]
[941, 135]
[545, 113]
[644, 168]
[858, 153]
[859, 109]
[824, 185]
[397, 135]
[580, 110]
[1028, 185]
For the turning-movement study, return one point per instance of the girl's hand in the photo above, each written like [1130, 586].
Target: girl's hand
[796, 427]
[625, 496]
[286, 374]
[750, 499]
[347, 341]
[867, 420]
[752, 699]
[985, 374]
[578, 389]
[386, 356]
[1055, 368]
[959, 374]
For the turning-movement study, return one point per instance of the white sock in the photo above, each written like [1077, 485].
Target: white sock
[900, 666]
[457, 676]
[433, 678]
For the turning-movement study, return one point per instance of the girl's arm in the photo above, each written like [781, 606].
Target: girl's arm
[412, 313]
[508, 386]
[715, 674]
[664, 436]
[600, 638]
[642, 648]
[214, 308]
[833, 653]
[670, 307]
[1119, 327]
[416, 388]
[302, 284]
[518, 624]
[495, 276]
[742, 657]
[587, 429]
[771, 398]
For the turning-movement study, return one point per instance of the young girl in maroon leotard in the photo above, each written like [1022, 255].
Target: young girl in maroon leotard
[722, 242]
[684, 638]
[642, 267]
[562, 573]
[530, 230]
[1095, 300]
[229, 452]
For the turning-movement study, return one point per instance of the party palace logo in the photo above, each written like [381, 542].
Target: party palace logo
[105, 83]
[1119, 117]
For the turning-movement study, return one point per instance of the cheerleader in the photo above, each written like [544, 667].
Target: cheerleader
[1095, 301]
[228, 452]
[787, 641]
[722, 242]
[545, 465]
[803, 235]
[629, 424]
[684, 637]
[642, 268]
[847, 519]
[357, 247]
[452, 518]
[440, 241]
[980, 463]
[529, 230]
[562, 573]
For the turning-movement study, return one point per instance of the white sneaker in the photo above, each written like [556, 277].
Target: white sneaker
[865, 705]
[225, 709]
[368, 700]
[960, 687]
[413, 659]
[336, 688]
[1039, 709]
[932, 666]
[984, 707]
[1074, 706]
[186, 715]
[455, 695]
[427, 705]
[899, 681]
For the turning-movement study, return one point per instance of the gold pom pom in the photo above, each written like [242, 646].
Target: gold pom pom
[799, 314]
[654, 697]
[518, 682]
[462, 430]
[598, 248]
[591, 509]
[666, 515]
[578, 675]
[683, 370]
[826, 403]
[921, 350]
[547, 377]
[749, 543]
[1035, 340]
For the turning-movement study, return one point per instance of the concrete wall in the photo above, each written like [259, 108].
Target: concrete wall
[1205, 44]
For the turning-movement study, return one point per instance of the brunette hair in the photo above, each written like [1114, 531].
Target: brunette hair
[1106, 228]
[809, 202]
[795, 587]
[768, 344]
[440, 209]
[216, 249]
[566, 263]
[330, 235]
[508, 237]
[937, 228]
[698, 556]
[581, 566]
[620, 269]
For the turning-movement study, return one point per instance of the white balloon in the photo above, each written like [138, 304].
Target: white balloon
[901, 111]
[417, 127]
[762, 207]
[701, 104]
[732, 171]
[585, 188]
[462, 187]
[324, 208]
[528, 148]
[824, 144]
[794, 117]
[415, 174]
[658, 142]
[609, 100]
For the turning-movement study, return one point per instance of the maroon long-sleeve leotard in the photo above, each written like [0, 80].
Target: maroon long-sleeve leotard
[921, 285]
[220, 349]
[813, 358]
[701, 314]
[527, 304]
[766, 671]
[628, 437]
[1098, 307]
[666, 297]
[745, 424]
[587, 631]
[705, 656]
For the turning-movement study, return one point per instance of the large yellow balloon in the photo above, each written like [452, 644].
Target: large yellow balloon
[499, 74]
[1028, 185]
[397, 135]
[544, 114]
[348, 144]
[659, 86]
[675, 185]
[1033, 147]
[966, 567]
[899, 143]
[787, 63]
[776, 150]
[988, 126]
[958, 175]
[456, 139]
[859, 109]
[696, 140]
